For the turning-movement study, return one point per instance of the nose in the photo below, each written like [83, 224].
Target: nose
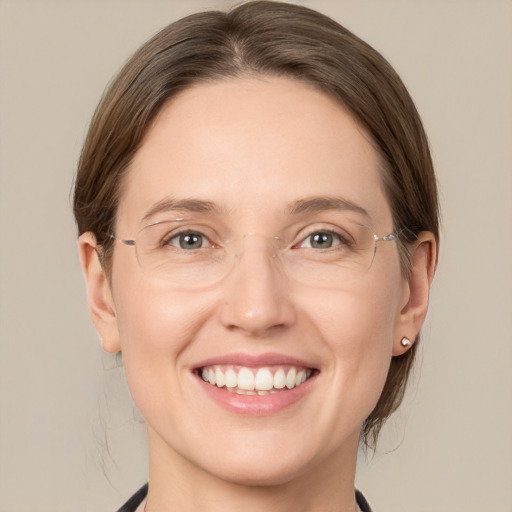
[256, 294]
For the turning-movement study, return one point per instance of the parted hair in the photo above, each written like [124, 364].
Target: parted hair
[253, 39]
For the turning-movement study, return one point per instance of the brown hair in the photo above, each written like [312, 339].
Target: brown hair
[264, 38]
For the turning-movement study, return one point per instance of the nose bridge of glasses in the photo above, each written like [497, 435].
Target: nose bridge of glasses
[254, 262]
[255, 243]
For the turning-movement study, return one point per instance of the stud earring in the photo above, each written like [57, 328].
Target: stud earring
[406, 342]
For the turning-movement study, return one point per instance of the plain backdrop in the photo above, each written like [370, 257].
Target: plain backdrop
[70, 439]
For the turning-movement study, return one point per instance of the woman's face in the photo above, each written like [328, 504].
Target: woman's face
[250, 160]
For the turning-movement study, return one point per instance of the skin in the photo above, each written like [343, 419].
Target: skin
[268, 142]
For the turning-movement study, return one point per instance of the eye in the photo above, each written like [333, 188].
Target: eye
[188, 240]
[322, 240]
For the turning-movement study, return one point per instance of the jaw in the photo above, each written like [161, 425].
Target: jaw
[235, 480]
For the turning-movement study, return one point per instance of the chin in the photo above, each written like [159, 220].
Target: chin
[258, 471]
[271, 458]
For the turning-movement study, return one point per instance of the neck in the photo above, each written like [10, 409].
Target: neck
[176, 483]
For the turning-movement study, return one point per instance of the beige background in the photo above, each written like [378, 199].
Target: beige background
[62, 401]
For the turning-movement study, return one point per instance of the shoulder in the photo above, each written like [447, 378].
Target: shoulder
[132, 504]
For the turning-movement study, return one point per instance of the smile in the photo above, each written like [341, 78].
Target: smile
[256, 385]
[244, 380]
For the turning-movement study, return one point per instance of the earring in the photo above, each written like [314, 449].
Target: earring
[406, 342]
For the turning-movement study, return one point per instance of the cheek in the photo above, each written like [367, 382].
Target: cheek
[357, 329]
[358, 321]
[155, 329]
[150, 318]
[361, 339]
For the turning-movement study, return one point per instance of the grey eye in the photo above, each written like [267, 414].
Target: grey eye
[321, 240]
[189, 241]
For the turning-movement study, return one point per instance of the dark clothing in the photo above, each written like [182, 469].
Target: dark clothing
[361, 501]
[132, 504]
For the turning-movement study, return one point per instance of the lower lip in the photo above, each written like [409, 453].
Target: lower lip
[256, 405]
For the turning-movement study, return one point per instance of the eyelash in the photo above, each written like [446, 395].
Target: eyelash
[166, 241]
[341, 239]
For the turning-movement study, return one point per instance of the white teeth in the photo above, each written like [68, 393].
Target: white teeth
[279, 379]
[290, 378]
[245, 379]
[248, 381]
[264, 380]
[245, 392]
[300, 378]
[219, 378]
[231, 378]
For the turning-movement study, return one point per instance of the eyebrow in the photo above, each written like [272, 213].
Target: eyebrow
[308, 205]
[181, 205]
[318, 204]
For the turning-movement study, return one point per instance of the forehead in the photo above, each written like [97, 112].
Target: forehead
[253, 146]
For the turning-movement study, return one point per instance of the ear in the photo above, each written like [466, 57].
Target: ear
[415, 305]
[99, 296]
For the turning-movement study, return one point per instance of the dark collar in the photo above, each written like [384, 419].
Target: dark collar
[132, 504]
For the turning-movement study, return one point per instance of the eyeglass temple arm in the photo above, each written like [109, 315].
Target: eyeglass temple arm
[125, 242]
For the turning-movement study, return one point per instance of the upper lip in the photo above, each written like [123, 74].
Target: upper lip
[250, 360]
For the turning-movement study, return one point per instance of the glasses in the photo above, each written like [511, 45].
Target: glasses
[188, 255]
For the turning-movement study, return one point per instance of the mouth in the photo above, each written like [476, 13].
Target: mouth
[255, 380]
[255, 385]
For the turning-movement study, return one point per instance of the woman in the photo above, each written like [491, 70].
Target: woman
[258, 223]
